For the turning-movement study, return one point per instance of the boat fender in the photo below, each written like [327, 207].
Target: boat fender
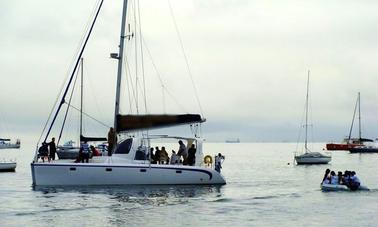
[208, 160]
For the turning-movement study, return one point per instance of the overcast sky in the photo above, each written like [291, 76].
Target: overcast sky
[249, 60]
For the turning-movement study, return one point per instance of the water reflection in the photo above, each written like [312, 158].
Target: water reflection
[143, 195]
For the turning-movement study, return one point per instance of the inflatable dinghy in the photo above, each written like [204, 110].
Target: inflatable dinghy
[339, 187]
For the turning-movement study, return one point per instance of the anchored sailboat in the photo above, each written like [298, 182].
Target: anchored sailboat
[7, 144]
[130, 162]
[310, 157]
[350, 142]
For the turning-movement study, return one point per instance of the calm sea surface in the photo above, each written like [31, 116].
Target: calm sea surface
[263, 188]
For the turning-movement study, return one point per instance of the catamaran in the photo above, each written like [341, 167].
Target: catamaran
[310, 157]
[130, 162]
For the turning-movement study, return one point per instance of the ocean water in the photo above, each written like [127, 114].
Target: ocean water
[263, 188]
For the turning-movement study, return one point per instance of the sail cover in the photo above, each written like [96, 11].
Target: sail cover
[4, 139]
[92, 139]
[153, 121]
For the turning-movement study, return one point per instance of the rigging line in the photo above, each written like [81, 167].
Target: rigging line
[74, 69]
[142, 57]
[136, 58]
[128, 91]
[354, 115]
[161, 80]
[133, 92]
[87, 115]
[185, 57]
[69, 102]
[163, 96]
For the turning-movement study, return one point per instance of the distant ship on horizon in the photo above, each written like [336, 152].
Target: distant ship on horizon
[233, 140]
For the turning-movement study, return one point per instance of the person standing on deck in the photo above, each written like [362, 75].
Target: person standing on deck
[191, 155]
[52, 149]
[112, 140]
[85, 152]
[182, 151]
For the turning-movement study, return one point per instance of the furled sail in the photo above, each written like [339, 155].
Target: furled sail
[92, 139]
[153, 121]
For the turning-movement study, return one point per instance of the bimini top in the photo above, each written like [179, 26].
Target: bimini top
[127, 123]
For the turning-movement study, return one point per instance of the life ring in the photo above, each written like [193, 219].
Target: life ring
[208, 159]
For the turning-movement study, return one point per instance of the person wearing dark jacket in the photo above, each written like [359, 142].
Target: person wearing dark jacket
[52, 149]
[191, 160]
[43, 152]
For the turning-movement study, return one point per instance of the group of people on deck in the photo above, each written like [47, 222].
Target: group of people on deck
[47, 151]
[86, 152]
[349, 178]
[183, 155]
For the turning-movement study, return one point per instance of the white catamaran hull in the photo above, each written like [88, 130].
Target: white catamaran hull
[48, 174]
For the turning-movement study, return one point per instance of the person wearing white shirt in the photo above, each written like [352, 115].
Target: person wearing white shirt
[174, 158]
[354, 183]
[334, 178]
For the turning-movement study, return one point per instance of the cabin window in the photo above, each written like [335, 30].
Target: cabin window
[124, 147]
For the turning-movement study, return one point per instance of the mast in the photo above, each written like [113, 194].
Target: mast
[354, 116]
[81, 97]
[120, 64]
[359, 116]
[306, 125]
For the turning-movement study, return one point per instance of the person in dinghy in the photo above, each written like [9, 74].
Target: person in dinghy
[339, 182]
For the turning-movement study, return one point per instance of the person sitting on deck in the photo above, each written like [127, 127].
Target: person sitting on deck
[140, 153]
[152, 156]
[85, 149]
[164, 159]
[94, 151]
[43, 151]
[157, 155]
[174, 158]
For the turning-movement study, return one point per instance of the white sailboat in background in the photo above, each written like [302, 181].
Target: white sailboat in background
[8, 165]
[130, 163]
[7, 144]
[310, 157]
